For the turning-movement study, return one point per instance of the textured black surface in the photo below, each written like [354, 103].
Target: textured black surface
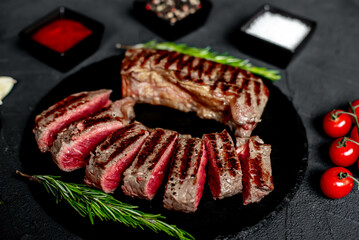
[323, 76]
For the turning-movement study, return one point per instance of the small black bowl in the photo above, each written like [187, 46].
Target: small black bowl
[269, 51]
[63, 61]
[167, 30]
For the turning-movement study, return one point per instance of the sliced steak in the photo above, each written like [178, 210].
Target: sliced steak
[73, 108]
[187, 176]
[113, 156]
[214, 91]
[224, 167]
[257, 170]
[146, 173]
[74, 143]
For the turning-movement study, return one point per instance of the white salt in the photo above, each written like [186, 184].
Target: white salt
[278, 29]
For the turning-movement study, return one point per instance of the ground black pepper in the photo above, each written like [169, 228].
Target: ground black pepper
[173, 10]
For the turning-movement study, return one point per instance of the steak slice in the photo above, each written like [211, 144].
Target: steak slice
[73, 108]
[74, 143]
[113, 156]
[224, 93]
[224, 167]
[257, 171]
[187, 176]
[147, 171]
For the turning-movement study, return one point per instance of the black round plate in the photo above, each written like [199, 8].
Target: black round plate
[281, 127]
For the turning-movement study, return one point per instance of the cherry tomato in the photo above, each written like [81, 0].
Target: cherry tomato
[343, 153]
[335, 183]
[336, 124]
[354, 134]
[355, 103]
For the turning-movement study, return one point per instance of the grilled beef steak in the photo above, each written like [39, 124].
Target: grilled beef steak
[187, 176]
[257, 171]
[74, 143]
[113, 156]
[147, 171]
[224, 167]
[73, 108]
[214, 91]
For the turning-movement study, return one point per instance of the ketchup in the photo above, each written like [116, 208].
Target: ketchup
[61, 34]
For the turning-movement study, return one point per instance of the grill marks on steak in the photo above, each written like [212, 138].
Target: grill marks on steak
[146, 173]
[224, 167]
[214, 91]
[74, 143]
[187, 176]
[257, 171]
[113, 156]
[73, 108]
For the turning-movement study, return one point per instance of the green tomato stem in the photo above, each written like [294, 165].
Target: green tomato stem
[355, 116]
[350, 140]
[335, 115]
[343, 175]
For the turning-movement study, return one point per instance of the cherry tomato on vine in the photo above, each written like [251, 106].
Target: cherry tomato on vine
[335, 182]
[354, 134]
[343, 152]
[354, 104]
[336, 124]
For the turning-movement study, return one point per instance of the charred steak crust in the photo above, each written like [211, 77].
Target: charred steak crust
[257, 170]
[145, 175]
[72, 128]
[113, 156]
[224, 167]
[74, 143]
[187, 176]
[73, 108]
[227, 94]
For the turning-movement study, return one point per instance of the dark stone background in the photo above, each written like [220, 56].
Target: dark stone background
[322, 77]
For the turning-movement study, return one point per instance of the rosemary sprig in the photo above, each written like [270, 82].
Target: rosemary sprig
[95, 203]
[206, 53]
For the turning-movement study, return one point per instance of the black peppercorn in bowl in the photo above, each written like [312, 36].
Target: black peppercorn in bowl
[172, 19]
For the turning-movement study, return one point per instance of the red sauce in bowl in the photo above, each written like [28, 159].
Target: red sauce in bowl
[62, 34]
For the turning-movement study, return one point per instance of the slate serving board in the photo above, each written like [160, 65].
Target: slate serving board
[281, 127]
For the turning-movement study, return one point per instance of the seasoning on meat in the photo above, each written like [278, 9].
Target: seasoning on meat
[74, 143]
[224, 93]
[113, 156]
[145, 175]
[224, 167]
[73, 108]
[257, 170]
[187, 176]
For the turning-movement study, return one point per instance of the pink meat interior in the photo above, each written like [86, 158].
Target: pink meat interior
[73, 156]
[69, 117]
[159, 172]
[113, 176]
[201, 177]
[213, 175]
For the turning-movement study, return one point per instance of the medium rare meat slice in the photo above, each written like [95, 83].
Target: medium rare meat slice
[257, 170]
[146, 173]
[224, 167]
[73, 108]
[113, 156]
[74, 143]
[227, 94]
[187, 176]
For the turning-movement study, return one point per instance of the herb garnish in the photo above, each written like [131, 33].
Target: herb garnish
[95, 203]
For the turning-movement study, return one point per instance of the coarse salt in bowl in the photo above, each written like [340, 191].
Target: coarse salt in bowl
[274, 35]
[281, 30]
